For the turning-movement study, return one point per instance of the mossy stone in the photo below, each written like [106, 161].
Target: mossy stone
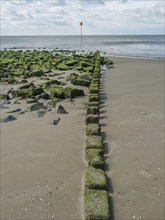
[94, 90]
[93, 97]
[95, 158]
[2, 96]
[71, 92]
[88, 69]
[36, 73]
[85, 64]
[93, 104]
[95, 85]
[44, 95]
[95, 178]
[81, 82]
[37, 91]
[93, 129]
[57, 92]
[92, 119]
[96, 205]
[71, 62]
[62, 66]
[93, 110]
[94, 141]
[27, 86]
[95, 81]
[26, 93]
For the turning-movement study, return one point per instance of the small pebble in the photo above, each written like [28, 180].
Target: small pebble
[134, 217]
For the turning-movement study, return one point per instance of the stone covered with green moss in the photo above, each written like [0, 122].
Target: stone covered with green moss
[96, 205]
[93, 129]
[92, 104]
[94, 141]
[93, 98]
[95, 158]
[93, 110]
[81, 82]
[92, 119]
[95, 178]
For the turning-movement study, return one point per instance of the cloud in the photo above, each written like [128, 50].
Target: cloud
[98, 16]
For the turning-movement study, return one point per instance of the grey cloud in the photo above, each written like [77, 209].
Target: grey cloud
[58, 2]
[89, 2]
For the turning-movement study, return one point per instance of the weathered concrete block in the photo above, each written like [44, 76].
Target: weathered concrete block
[96, 205]
[94, 90]
[94, 141]
[95, 178]
[92, 119]
[93, 104]
[93, 129]
[93, 97]
[95, 158]
[93, 110]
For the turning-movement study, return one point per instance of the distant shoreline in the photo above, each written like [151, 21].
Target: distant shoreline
[145, 46]
[83, 35]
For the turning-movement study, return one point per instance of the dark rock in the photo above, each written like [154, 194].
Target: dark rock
[27, 86]
[61, 110]
[55, 122]
[40, 113]
[9, 118]
[37, 106]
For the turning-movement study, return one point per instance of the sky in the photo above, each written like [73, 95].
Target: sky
[99, 17]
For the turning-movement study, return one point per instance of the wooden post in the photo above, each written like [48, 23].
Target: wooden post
[81, 24]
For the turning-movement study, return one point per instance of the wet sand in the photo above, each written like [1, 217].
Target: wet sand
[132, 118]
[42, 165]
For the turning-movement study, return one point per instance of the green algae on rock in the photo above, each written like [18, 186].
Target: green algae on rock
[93, 97]
[91, 104]
[72, 93]
[93, 110]
[95, 178]
[80, 82]
[92, 119]
[93, 129]
[94, 141]
[96, 205]
[62, 66]
[95, 158]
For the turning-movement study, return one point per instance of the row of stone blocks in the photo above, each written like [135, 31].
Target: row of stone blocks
[96, 199]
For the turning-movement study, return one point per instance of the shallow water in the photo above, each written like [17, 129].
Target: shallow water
[146, 46]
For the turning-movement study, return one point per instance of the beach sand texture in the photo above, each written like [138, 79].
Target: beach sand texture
[132, 119]
[42, 164]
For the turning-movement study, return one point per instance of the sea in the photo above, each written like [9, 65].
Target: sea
[142, 46]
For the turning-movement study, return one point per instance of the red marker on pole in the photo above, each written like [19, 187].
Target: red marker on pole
[81, 24]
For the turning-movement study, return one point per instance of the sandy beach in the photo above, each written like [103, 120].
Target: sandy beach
[43, 165]
[132, 118]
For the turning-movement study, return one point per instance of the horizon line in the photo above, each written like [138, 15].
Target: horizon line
[51, 35]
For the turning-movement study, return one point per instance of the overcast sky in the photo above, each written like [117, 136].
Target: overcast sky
[63, 17]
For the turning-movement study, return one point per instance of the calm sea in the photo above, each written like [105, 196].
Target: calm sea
[146, 46]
